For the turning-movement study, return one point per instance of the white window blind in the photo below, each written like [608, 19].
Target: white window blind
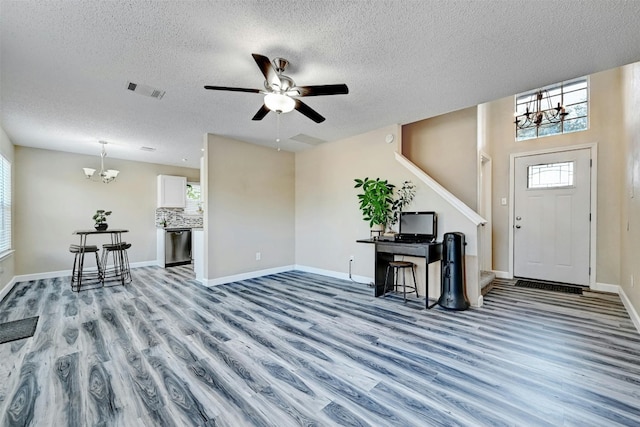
[5, 205]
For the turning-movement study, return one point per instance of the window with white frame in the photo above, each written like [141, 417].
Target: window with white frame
[5, 205]
[573, 95]
[194, 198]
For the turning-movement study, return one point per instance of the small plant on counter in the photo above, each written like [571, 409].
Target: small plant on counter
[100, 218]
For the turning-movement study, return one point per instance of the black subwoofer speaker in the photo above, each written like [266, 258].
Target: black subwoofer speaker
[453, 293]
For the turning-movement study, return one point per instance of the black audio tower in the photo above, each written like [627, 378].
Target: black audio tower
[453, 295]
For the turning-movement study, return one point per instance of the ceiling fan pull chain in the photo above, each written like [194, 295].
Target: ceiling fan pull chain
[278, 129]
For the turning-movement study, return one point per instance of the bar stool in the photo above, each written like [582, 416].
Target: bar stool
[397, 266]
[120, 269]
[78, 275]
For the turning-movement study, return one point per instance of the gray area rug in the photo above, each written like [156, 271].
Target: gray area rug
[18, 329]
[556, 287]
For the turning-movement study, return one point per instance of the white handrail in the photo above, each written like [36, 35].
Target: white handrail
[472, 215]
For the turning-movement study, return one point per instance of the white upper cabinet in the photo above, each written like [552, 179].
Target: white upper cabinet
[172, 191]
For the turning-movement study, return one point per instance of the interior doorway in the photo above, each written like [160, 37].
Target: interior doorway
[551, 215]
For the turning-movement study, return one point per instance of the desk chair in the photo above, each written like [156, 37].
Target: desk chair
[397, 266]
[78, 274]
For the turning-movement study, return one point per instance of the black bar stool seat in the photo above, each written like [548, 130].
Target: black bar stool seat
[398, 266]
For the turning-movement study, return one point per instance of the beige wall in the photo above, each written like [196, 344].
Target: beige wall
[445, 147]
[53, 198]
[630, 212]
[328, 221]
[250, 207]
[605, 129]
[7, 264]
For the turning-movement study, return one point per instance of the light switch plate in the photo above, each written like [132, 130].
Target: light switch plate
[503, 201]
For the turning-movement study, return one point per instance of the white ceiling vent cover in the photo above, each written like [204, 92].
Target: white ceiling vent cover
[307, 139]
[145, 90]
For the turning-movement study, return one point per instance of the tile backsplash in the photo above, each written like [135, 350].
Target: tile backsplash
[175, 217]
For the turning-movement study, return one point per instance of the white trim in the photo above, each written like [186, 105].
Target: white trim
[7, 288]
[335, 274]
[441, 191]
[593, 147]
[6, 254]
[245, 276]
[480, 301]
[605, 287]
[502, 274]
[633, 314]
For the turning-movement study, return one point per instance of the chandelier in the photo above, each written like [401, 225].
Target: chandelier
[535, 115]
[106, 176]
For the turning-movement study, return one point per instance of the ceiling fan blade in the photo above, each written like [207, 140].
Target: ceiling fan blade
[319, 90]
[261, 113]
[267, 69]
[233, 89]
[308, 111]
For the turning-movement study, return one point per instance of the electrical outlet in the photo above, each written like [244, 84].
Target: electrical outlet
[352, 258]
[258, 256]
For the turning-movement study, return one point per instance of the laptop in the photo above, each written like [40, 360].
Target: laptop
[418, 227]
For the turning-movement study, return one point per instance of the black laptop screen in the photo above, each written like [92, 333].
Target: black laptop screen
[418, 223]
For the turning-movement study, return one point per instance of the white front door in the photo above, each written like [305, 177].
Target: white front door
[552, 216]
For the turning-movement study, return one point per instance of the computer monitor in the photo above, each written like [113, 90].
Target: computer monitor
[421, 226]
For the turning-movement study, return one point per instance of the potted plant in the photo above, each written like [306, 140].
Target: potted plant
[404, 198]
[100, 218]
[376, 201]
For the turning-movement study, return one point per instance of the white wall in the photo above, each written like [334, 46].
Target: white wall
[250, 208]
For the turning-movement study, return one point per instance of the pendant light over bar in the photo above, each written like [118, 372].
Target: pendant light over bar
[107, 175]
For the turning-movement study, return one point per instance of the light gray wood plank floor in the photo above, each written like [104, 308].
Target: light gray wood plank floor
[301, 349]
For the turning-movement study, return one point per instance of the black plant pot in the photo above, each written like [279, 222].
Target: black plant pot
[102, 226]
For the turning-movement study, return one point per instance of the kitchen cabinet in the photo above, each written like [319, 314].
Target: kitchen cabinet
[172, 191]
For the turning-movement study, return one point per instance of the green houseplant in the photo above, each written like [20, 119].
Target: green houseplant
[404, 198]
[100, 218]
[376, 201]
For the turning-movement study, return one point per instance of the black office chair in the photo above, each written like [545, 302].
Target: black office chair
[397, 266]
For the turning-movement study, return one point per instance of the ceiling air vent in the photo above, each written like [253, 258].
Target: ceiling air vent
[306, 139]
[145, 90]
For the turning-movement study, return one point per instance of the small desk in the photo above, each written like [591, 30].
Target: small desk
[116, 237]
[386, 250]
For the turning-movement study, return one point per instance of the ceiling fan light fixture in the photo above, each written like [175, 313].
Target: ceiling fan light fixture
[279, 103]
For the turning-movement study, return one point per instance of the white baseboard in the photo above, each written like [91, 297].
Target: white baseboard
[480, 302]
[633, 314]
[7, 288]
[605, 287]
[502, 274]
[334, 274]
[245, 276]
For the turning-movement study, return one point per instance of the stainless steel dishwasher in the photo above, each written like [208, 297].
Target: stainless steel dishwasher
[177, 246]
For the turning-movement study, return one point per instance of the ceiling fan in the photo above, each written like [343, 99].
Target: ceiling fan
[280, 91]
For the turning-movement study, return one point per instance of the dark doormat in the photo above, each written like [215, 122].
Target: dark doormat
[568, 289]
[18, 329]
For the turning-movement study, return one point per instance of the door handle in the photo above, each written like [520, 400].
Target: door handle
[517, 226]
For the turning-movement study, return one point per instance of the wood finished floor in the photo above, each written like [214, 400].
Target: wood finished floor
[301, 349]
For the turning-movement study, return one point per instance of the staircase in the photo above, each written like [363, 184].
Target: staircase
[486, 280]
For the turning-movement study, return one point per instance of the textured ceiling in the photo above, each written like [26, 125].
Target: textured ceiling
[65, 65]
